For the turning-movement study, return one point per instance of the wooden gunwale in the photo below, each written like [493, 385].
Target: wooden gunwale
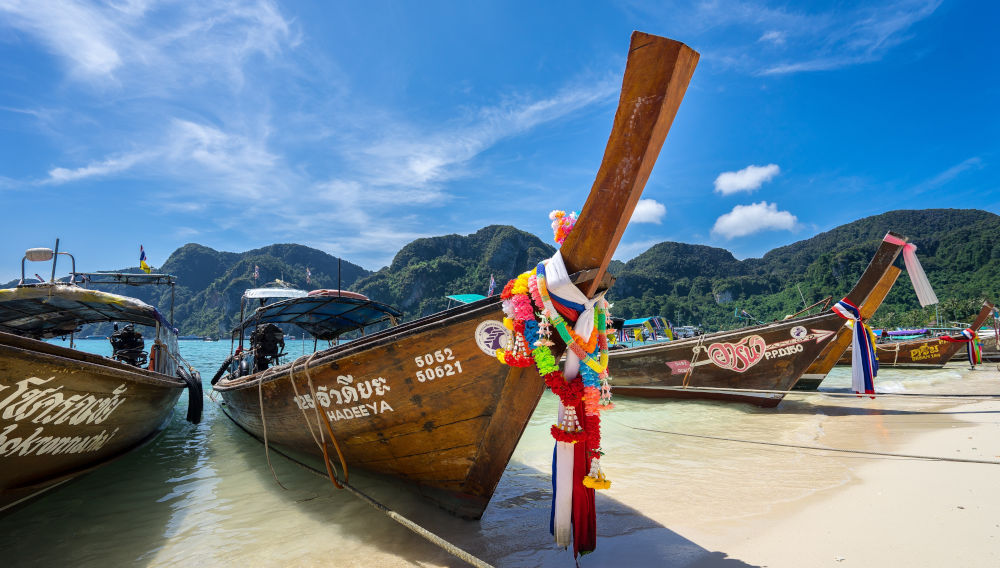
[636, 370]
[47, 353]
[496, 402]
[374, 340]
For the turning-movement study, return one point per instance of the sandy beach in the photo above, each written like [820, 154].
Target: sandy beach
[206, 497]
[746, 504]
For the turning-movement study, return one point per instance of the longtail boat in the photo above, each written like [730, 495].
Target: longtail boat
[64, 412]
[427, 401]
[726, 364]
[931, 352]
[821, 367]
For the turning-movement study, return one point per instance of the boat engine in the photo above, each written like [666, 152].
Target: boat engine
[268, 344]
[128, 347]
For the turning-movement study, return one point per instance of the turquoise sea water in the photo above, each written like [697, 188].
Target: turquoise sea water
[204, 495]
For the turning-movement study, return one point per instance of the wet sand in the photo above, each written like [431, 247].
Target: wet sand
[789, 507]
[205, 497]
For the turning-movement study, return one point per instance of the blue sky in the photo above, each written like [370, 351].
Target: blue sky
[355, 127]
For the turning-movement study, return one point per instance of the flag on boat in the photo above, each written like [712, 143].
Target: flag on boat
[142, 261]
[493, 284]
[308, 276]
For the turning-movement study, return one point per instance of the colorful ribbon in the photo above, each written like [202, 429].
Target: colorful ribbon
[973, 349]
[864, 364]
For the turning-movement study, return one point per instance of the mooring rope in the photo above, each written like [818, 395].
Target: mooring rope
[983, 397]
[402, 520]
[807, 447]
[694, 357]
[322, 418]
[263, 423]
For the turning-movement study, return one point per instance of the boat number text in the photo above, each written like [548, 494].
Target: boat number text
[441, 363]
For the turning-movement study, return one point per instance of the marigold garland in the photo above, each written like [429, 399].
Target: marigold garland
[530, 316]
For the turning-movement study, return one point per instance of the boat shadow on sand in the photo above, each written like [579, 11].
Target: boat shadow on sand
[514, 530]
[117, 515]
[865, 406]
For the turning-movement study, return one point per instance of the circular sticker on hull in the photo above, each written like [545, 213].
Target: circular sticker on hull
[490, 336]
[798, 332]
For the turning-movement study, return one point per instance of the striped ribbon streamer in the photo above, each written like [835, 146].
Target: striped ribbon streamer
[864, 365]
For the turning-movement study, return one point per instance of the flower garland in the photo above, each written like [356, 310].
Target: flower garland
[562, 224]
[526, 297]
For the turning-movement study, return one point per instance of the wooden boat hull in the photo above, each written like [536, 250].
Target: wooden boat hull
[724, 365]
[923, 353]
[424, 402]
[64, 413]
[768, 357]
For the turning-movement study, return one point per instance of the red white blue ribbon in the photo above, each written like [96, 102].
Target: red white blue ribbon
[972, 343]
[864, 365]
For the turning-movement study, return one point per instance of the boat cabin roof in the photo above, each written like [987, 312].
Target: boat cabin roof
[466, 298]
[275, 293]
[656, 321]
[53, 309]
[324, 317]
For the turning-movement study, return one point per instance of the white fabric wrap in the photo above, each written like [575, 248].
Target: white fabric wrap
[925, 294]
[557, 281]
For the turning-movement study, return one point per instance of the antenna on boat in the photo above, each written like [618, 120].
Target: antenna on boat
[338, 275]
[55, 258]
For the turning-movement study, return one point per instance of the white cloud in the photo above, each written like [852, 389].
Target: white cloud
[863, 35]
[799, 37]
[172, 45]
[773, 36]
[951, 173]
[648, 211]
[403, 155]
[746, 220]
[159, 96]
[748, 179]
[98, 169]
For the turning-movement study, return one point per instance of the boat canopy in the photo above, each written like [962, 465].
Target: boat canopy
[657, 322]
[274, 293]
[905, 332]
[53, 309]
[466, 298]
[323, 317]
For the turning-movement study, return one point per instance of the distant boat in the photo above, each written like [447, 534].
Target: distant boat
[64, 412]
[427, 401]
[726, 365]
[927, 352]
[190, 338]
[642, 331]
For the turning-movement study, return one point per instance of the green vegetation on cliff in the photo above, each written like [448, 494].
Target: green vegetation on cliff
[693, 284]
[688, 284]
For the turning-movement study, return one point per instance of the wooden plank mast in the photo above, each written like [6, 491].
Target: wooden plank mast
[656, 77]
